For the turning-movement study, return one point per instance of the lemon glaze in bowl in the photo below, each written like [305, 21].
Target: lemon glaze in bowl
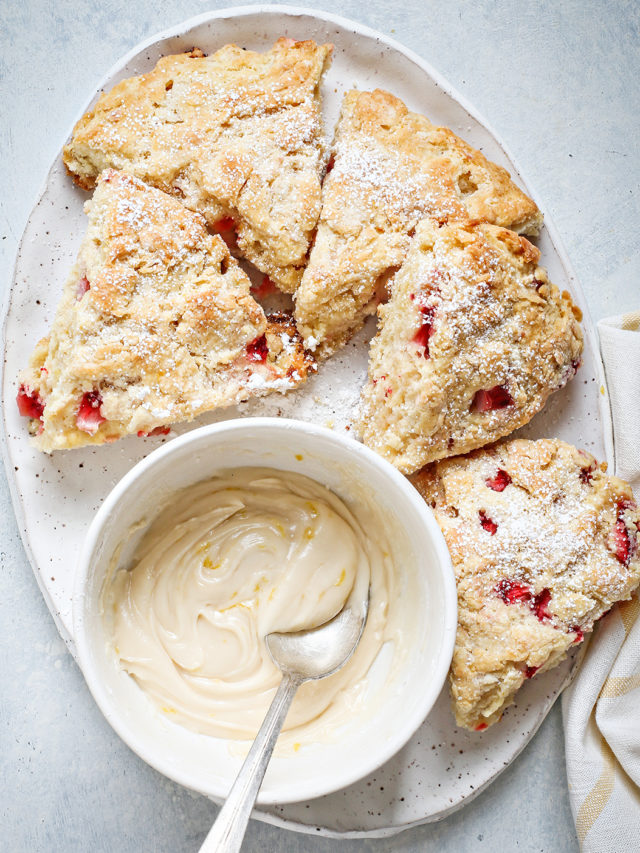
[401, 689]
[230, 560]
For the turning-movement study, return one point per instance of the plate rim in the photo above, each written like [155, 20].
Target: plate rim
[357, 28]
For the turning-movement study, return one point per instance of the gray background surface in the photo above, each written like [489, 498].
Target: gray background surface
[559, 83]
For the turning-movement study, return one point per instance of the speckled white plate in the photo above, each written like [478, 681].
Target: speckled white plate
[56, 496]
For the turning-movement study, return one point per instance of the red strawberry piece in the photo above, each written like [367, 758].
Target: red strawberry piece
[512, 592]
[586, 474]
[540, 603]
[161, 430]
[487, 524]
[224, 224]
[624, 539]
[530, 671]
[226, 229]
[331, 163]
[29, 403]
[578, 632]
[258, 350]
[481, 727]
[497, 397]
[575, 364]
[622, 542]
[500, 482]
[89, 418]
[82, 287]
[625, 504]
[265, 288]
[421, 337]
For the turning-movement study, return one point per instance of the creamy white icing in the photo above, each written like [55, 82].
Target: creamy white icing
[230, 560]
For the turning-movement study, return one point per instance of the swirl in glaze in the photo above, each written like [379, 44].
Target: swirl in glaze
[230, 560]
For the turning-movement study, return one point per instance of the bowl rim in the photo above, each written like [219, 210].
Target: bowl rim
[101, 693]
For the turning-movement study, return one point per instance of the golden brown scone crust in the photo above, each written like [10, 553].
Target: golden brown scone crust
[156, 325]
[470, 345]
[235, 134]
[563, 550]
[391, 168]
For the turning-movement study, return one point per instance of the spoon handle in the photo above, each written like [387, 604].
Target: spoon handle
[226, 834]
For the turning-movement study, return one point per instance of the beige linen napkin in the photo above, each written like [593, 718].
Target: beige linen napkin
[601, 708]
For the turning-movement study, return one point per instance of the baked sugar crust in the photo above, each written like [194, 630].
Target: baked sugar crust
[543, 543]
[156, 325]
[471, 343]
[234, 135]
[390, 169]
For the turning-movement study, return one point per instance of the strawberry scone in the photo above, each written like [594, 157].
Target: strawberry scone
[470, 345]
[236, 136]
[156, 325]
[390, 168]
[543, 543]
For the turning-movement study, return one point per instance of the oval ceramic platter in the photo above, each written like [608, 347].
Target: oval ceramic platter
[55, 497]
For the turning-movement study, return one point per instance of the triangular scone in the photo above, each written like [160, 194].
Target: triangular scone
[543, 543]
[236, 134]
[391, 168]
[156, 325]
[470, 345]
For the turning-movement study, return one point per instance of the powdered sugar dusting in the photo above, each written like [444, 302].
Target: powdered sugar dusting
[389, 170]
[498, 347]
[164, 330]
[553, 529]
[389, 183]
[535, 562]
[235, 133]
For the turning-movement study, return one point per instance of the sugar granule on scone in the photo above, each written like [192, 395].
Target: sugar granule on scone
[543, 543]
[236, 136]
[155, 326]
[470, 345]
[390, 168]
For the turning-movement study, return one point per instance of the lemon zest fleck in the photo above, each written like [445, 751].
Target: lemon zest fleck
[233, 606]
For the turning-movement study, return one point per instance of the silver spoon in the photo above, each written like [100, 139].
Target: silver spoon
[302, 656]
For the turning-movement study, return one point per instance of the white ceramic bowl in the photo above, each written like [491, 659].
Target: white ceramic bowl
[349, 469]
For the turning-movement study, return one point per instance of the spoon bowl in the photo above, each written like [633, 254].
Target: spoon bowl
[319, 652]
